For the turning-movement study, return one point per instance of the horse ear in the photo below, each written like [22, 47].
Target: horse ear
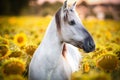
[65, 5]
[74, 5]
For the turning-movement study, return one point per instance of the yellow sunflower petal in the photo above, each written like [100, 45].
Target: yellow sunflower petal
[20, 39]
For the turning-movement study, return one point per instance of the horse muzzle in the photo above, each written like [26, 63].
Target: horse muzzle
[88, 45]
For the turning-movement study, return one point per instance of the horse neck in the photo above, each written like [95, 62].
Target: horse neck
[51, 44]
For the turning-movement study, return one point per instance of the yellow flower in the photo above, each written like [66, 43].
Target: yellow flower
[76, 76]
[20, 39]
[15, 53]
[30, 49]
[86, 67]
[12, 20]
[14, 77]
[3, 41]
[107, 62]
[4, 51]
[13, 66]
[92, 75]
[108, 35]
[117, 53]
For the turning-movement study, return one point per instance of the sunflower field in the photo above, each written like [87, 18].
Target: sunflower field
[20, 36]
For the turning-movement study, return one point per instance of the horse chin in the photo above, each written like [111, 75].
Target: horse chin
[78, 44]
[86, 50]
[82, 46]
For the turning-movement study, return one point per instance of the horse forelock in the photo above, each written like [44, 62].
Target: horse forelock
[58, 20]
[66, 17]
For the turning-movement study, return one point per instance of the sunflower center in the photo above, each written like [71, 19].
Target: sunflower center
[20, 39]
[3, 50]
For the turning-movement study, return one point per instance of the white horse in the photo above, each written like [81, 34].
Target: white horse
[57, 57]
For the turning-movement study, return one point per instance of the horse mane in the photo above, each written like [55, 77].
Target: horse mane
[57, 19]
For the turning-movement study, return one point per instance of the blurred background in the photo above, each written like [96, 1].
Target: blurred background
[101, 9]
[23, 24]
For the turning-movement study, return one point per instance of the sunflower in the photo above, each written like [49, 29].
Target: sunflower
[86, 67]
[14, 77]
[4, 51]
[13, 66]
[30, 49]
[92, 75]
[107, 62]
[20, 39]
[16, 53]
[3, 41]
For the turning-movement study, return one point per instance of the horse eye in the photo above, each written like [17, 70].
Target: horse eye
[72, 22]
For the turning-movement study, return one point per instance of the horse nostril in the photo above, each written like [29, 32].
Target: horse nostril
[92, 45]
[89, 45]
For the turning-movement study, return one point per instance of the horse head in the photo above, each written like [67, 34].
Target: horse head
[71, 29]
